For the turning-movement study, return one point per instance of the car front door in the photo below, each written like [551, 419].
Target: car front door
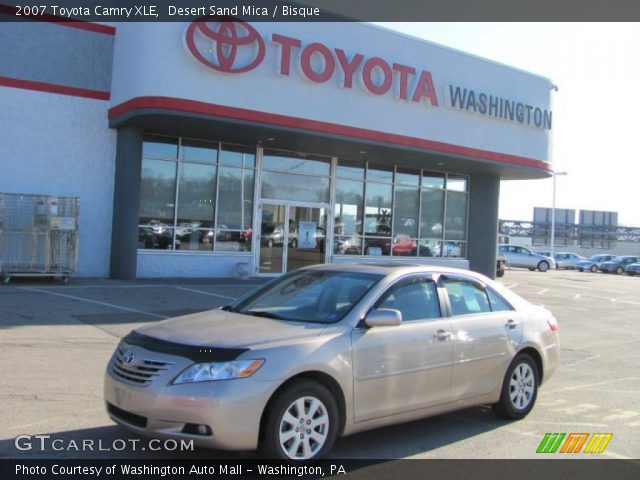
[405, 367]
[485, 331]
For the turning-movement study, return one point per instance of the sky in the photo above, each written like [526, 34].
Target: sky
[596, 111]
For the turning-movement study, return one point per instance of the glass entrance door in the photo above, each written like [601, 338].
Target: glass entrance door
[291, 236]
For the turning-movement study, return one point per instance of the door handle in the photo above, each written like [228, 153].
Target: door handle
[511, 324]
[441, 335]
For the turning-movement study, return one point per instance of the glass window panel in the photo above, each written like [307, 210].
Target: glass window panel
[377, 218]
[457, 183]
[157, 236]
[466, 297]
[415, 301]
[350, 169]
[157, 146]
[347, 245]
[454, 249]
[456, 221]
[408, 176]
[498, 304]
[349, 207]
[431, 213]
[432, 179]
[231, 242]
[200, 151]
[428, 247]
[235, 198]
[303, 188]
[377, 246]
[380, 173]
[196, 197]
[238, 156]
[157, 192]
[194, 238]
[404, 246]
[405, 211]
[297, 163]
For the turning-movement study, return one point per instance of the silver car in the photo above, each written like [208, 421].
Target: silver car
[524, 258]
[332, 350]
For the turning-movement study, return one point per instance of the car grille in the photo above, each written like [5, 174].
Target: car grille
[141, 373]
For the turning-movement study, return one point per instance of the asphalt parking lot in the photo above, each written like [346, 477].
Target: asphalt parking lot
[55, 342]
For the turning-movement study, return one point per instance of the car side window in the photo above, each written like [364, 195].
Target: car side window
[466, 297]
[415, 301]
[498, 304]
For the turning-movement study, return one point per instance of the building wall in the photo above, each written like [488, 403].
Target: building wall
[152, 61]
[55, 137]
[61, 145]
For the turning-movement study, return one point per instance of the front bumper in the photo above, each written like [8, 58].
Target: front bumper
[230, 408]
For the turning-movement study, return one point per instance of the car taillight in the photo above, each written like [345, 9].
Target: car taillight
[553, 325]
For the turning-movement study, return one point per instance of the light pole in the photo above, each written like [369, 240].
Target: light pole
[553, 214]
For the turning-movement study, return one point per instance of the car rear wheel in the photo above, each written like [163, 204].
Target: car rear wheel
[594, 268]
[543, 266]
[619, 270]
[519, 389]
[302, 423]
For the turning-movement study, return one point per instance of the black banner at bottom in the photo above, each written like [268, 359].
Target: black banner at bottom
[534, 469]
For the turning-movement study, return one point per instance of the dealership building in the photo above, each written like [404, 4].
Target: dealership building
[217, 148]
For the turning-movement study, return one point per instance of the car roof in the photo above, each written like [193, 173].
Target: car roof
[387, 268]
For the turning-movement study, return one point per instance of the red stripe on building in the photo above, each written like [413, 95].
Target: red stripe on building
[53, 88]
[273, 119]
[64, 22]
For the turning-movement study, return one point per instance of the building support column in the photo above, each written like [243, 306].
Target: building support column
[483, 224]
[126, 204]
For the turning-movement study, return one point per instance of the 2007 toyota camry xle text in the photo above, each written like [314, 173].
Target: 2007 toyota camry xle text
[332, 350]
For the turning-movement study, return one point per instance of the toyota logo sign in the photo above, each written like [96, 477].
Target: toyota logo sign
[225, 44]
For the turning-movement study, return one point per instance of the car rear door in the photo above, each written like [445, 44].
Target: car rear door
[406, 367]
[486, 330]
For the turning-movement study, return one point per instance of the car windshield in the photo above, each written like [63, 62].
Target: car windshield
[312, 296]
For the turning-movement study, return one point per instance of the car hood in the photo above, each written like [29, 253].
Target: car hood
[230, 330]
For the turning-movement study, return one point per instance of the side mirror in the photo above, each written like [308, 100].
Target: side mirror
[383, 317]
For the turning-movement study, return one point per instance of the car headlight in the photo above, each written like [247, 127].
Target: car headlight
[204, 372]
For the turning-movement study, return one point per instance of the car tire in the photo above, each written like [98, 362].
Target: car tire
[281, 436]
[294, 243]
[519, 389]
[619, 270]
[543, 266]
[594, 268]
[270, 243]
[500, 273]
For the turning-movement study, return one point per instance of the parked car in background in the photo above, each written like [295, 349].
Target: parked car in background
[633, 269]
[618, 264]
[332, 350]
[593, 262]
[501, 265]
[524, 258]
[567, 259]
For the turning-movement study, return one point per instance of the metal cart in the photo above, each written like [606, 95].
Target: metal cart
[38, 236]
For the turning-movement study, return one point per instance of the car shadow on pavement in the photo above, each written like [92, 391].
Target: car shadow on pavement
[114, 442]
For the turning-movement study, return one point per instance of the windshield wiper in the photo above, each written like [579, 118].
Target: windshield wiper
[262, 313]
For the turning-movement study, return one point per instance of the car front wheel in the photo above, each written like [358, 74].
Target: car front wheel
[619, 270]
[519, 389]
[594, 268]
[543, 266]
[302, 423]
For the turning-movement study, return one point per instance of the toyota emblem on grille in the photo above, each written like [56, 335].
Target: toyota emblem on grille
[128, 359]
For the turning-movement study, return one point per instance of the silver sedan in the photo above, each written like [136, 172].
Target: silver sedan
[332, 350]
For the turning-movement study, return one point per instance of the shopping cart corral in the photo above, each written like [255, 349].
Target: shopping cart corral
[38, 236]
